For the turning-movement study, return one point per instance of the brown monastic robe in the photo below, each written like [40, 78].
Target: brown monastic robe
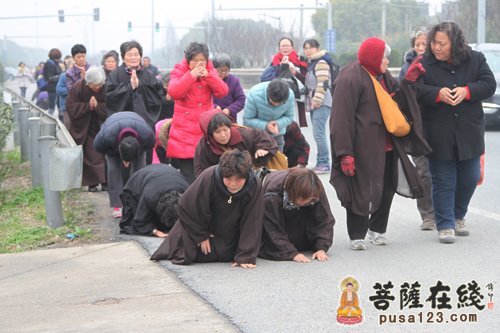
[232, 222]
[286, 233]
[85, 124]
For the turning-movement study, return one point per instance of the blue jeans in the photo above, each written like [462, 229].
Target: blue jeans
[453, 184]
[319, 118]
[52, 102]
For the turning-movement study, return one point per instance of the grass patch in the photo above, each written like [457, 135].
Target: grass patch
[23, 224]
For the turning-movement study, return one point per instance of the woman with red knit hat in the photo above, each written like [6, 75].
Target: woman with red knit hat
[365, 155]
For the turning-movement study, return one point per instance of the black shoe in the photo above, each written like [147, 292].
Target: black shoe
[104, 187]
[93, 188]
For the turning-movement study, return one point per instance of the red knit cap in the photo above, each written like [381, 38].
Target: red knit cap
[371, 53]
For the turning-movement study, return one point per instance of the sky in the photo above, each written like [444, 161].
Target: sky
[111, 30]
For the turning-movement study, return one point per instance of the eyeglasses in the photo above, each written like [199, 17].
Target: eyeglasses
[223, 71]
[307, 204]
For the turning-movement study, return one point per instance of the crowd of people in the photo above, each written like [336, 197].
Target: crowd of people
[177, 165]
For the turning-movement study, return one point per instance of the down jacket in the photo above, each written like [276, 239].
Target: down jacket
[192, 97]
[108, 137]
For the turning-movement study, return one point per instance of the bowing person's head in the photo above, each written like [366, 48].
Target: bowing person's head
[166, 209]
[303, 187]
[128, 149]
[277, 92]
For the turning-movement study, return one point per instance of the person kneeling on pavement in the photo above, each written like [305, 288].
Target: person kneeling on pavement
[220, 216]
[297, 216]
[150, 200]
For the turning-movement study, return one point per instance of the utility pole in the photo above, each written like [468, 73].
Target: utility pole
[152, 26]
[481, 17]
[382, 29]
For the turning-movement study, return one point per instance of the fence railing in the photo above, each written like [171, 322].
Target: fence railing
[56, 160]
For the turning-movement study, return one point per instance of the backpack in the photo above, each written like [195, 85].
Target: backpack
[334, 71]
[271, 72]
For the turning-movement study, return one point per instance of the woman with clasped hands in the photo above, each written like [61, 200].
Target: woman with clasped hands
[131, 88]
[193, 83]
[455, 82]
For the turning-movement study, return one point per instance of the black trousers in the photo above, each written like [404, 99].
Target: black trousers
[358, 225]
[185, 166]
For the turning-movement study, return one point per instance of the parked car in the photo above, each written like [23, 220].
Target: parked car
[491, 106]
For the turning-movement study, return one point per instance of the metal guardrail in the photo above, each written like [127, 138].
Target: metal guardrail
[56, 160]
[63, 137]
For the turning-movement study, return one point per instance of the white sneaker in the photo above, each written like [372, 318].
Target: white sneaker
[447, 236]
[358, 245]
[117, 212]
[377, 238]
[460, 228]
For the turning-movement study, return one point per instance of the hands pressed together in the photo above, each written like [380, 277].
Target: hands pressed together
[93, 103]
[453, 96]
[199, 71]
[134, 80]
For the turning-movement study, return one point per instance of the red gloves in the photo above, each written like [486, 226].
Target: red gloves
[347, 165]
[415, 70]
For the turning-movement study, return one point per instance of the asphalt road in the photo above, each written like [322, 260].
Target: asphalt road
[293, 297]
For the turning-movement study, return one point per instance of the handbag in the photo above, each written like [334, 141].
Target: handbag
[394, 120]
[278, 161]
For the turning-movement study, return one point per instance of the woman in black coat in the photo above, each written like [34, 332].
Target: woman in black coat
[454, 85]
[130, 87]
[51, 73]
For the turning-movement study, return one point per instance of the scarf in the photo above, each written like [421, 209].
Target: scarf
[129, 70]
[292, 57]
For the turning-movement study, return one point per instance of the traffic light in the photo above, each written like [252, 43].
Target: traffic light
[96, 14]
[61, 15]
[157, 27]
[129, 26]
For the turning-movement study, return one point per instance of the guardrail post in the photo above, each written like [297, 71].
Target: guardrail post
[48, 127]
[22, 115]
[15, 108]
[53, 207]
[34, 112]
[36, 164]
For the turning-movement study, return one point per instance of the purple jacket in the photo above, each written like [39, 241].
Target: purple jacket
[235, 99]
[73, 74]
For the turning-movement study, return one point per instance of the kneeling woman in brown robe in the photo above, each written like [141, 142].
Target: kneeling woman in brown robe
[297, 216]
[220, 216]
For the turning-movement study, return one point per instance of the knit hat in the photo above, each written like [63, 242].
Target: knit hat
[371, 53]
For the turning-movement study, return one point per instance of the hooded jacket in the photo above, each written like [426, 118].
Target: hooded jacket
[208, 151]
